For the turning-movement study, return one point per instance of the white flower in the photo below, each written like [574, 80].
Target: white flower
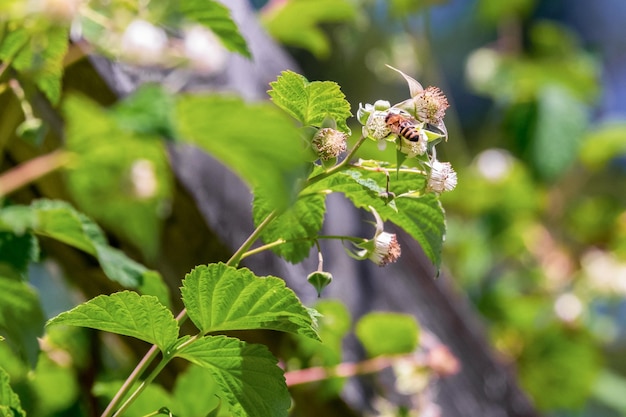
[442, 177]
[143, 178]
[376, 125]
[382, 249]
[143, 42]
[204, 50]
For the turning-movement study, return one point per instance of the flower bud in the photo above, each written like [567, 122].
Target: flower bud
[320, 280]
[329, 143]
[442, 177]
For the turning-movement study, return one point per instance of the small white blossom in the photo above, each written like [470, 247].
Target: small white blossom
[442, 177]
[143, 178]
[204, 50]
[382, 249]
[143, 42]
[376, 126]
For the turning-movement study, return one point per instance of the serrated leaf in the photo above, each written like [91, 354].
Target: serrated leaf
[298, 23]
[21, 318]
[216, 17]
[10, 405]
[41, 58]
[256, 141]
[247, 374]
[561, 122]
[219, 297]
[122, 177]
[387, 333]
[422, 217]
[310, 102]
[60, 221]
[299, 225]
[126, 313]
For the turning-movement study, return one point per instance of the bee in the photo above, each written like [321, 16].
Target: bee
[403, 125]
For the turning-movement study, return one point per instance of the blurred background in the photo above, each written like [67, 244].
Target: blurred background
[537, 225]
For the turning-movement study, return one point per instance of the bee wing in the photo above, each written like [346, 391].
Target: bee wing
[414, 87]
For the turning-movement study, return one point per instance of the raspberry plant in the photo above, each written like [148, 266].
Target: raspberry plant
[292, 153]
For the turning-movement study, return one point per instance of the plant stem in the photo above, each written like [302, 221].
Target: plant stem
[130, 381]
[234, 260]
[262, 248]
[237, 256]
[143, 386]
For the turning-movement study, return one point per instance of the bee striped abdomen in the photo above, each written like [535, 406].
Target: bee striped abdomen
[409, 131]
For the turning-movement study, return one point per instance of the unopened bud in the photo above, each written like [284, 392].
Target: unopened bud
[319, 280]
[143, 42]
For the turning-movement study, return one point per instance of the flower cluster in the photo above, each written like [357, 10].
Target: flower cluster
[416, 126]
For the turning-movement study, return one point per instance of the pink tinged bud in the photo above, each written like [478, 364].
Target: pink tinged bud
[442, 177]
[143, 42]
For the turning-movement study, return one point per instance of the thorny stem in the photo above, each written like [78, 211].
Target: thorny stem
[234, 260]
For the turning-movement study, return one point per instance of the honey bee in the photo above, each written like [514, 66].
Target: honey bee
[403, 125]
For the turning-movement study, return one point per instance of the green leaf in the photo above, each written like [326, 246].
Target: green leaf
[247, 374]
[256, 141]
[216, 17]
[196, 393]
[603, 144]
[10, 405]
[310, 102]
[126, 313]
[561, 122]
[299, 225]
[60, 221]
[387, 333]
[21, 318]
[122, 177]
[420, 216]
[219, 297]
[297, 23]
[40, 58]
[16, 252]
[148, 111]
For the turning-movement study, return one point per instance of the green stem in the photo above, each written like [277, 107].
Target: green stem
[143, 386]
[234, 260]
[131, 380]
[263, 248]
[182, 316]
